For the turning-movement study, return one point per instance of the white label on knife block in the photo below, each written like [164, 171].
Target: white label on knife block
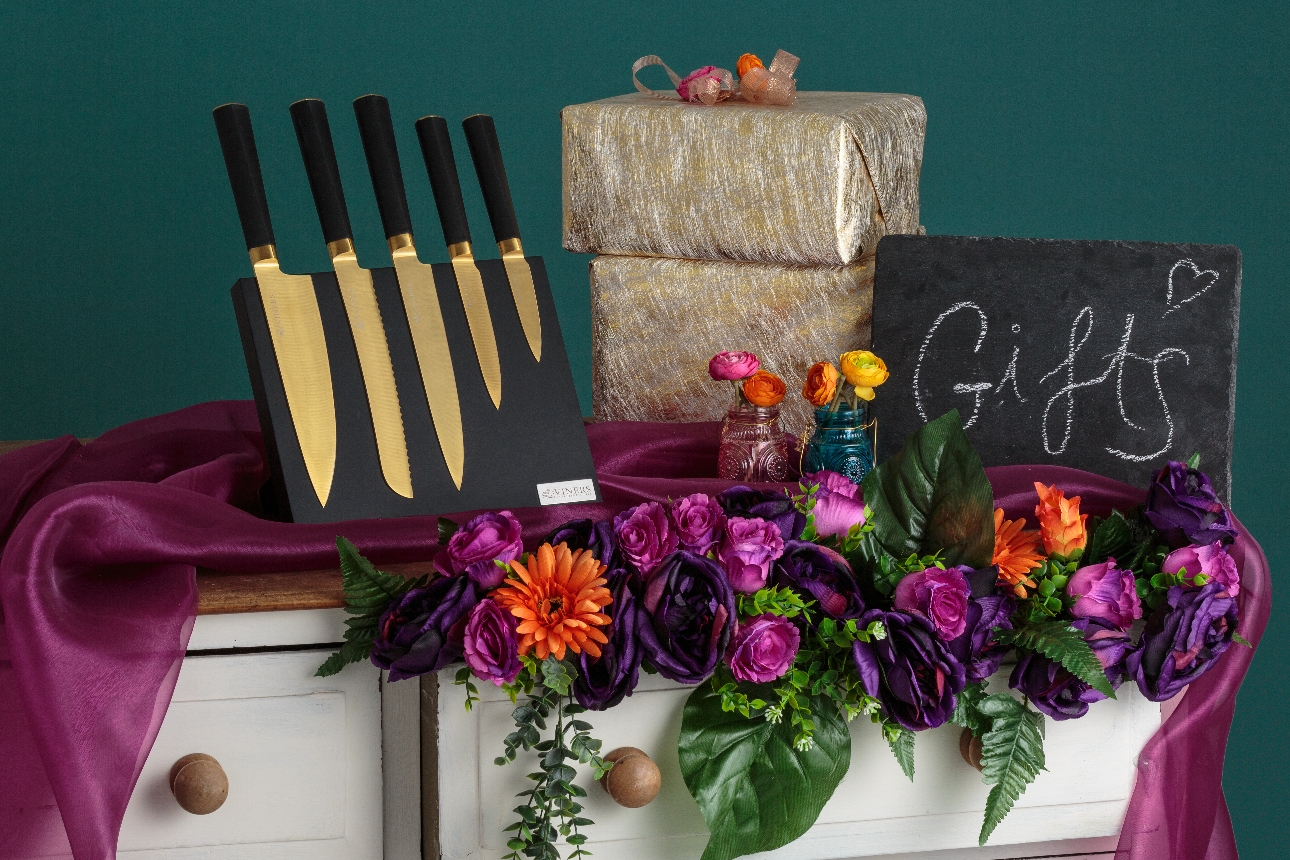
[564, 492]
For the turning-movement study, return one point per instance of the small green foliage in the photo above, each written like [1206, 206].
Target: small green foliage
[902, 747]
[1241, 640]
[1193, 462]
[1048, 599]
[773, 601]
[1012, 755]
[447, 528]
[966, 713]
[1062, 643]
[462, 678]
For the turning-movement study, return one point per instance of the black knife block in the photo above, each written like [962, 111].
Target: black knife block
[535, 437]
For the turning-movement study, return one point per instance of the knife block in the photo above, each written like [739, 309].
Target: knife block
[535, 437]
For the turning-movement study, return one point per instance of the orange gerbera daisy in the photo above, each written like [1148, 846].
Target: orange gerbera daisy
[557, 599]
[1016, 552]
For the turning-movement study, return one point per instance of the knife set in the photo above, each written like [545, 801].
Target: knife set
[416, 389]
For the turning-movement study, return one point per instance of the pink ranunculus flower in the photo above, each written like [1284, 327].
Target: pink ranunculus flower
[1105, 591]
[763, 648]
[700, 522]
[645, 536]
[683, 88]
[749, 549]
[832, 482]
[1211, 560]
[726, 366]
[940, 596]
[835, 514]
[491, 644]
[472, 549]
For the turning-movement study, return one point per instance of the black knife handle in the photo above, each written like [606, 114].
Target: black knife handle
[233, 124]
[313, 133]
[377, 130]
[486, 152]
[436, 149]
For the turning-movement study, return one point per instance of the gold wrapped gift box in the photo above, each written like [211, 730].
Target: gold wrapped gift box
[656, 322]
[815, 184]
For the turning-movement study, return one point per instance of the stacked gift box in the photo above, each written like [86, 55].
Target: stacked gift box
[732, 226]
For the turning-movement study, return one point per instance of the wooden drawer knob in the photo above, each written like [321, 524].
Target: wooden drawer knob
[634, 780]
[970, 748]
[198, 783]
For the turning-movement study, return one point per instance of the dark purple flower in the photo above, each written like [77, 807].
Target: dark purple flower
[1213, 560]
[474, 547]
[748, 550]
[1107, 592]
[762, 648]
[1183, 506]
[423, 630]
[603, 682]
[700, 522]
[1183, 639]
[940, 596]
[821, 574]
[832, 482]
[491, 644]
[912, 670]
[1057, 692]
[597, 536]
[688, 616]
[989, 608]
[775, 508]
[645, 536]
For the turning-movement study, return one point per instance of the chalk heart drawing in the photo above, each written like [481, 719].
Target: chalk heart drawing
[1197, 279]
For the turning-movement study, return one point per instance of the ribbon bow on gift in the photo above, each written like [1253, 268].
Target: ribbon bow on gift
[774, 86]
[710, 84]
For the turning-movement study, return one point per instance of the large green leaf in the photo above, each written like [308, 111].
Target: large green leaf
[903, 749]
[1012, 755]
[756, 791]
[933, 496]
[1109, 537]
[1058, 641]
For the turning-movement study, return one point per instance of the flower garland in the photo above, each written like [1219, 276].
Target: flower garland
[794, 614]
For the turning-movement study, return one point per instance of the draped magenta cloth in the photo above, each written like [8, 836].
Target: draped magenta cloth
[100, 544]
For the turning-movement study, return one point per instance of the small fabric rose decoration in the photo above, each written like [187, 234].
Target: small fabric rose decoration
[1061, 525]
[912, 670]
[823, 574]
[423, 630]
[688, 616]
[645, 536]
[821, 383]
[940, 596]
[988, 609]
[748, 550]
[594, 535]
[1212, 560]
[1182, 504]
[602, 683]
[865, 371]
[474, 547]
[764, 388]
[1105, 591]
[700, 522]
[683, 88]
[746, 62]
[491, 644]
[775, 508]
[1183, 639]
[763, 648]
[1058, 693]
[727, 366]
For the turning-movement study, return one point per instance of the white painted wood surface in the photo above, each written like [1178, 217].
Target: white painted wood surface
[267, 629]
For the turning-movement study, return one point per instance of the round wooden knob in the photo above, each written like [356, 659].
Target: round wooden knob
[970, 748]
[634, 780]
[198, 783]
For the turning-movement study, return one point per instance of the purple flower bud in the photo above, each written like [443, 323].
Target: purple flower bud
[1106, 592]
[597, 536]
[474, 547]
[988, 608]
[603, 682]
[700, 522]
[1183, 506]
[940, 596]
[1183, 639]
[748, 550]
[912, 670]
[763, 648]
[491, 644]
[688, 611]
[645, 536]
[775, 508]
[832, 482]
[835, 514]
[821, 574]
[1212, 560]
[1058, 693]
[423, 630]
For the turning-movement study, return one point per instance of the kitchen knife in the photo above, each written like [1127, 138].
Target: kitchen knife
[436, 149]
[290, 304]
[314, 135]
[416, 280]
[486, 152]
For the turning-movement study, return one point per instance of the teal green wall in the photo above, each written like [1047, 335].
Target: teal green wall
[119, 240]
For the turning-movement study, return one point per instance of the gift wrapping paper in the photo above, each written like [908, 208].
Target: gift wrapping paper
[655, 323]
[817, 183]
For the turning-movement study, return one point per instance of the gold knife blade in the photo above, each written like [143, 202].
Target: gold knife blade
[365, 324]
[520, 276]
[471, 287]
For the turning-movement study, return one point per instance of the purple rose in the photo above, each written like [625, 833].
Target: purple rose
[763, 648]
[832, 482]
[423, 630]
[1183, 639]
[835, 514]
[490, 643]
[912, 670]
[775, 508]
[1107, 592]
[821, 574]
[748, 550]
[1057, 692]
[474, 547]
[645, 536]
[1183, 506]
[597, 536]
[988, 608]
[940, 596]
[603, 682]
[1212, 560]
[688, 616]
[700, 522]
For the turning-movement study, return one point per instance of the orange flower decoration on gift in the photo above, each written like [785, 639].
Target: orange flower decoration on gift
[764, 388]
[1061, 525]
[1016, 552]
[557, 599]
[821, 383]
[746, 62]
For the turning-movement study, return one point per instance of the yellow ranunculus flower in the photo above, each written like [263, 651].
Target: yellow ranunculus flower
[864, 370]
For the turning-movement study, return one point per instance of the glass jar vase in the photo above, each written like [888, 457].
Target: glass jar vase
[753, 448]
[840, 443]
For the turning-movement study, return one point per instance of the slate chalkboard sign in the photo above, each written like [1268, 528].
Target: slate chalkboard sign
[1104, 356]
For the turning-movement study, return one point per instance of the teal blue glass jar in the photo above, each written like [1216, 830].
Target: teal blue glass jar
[840, 442]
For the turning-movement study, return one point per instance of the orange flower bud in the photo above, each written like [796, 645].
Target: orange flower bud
[746, 62]
[764, 388]
[821, 383]
[1061, 525]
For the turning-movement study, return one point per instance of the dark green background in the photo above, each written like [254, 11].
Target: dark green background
[119, 240]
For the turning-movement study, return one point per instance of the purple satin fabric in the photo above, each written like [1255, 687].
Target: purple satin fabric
[98, 595]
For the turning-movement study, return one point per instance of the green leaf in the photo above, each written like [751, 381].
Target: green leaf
[966, 713]
[1111, 538]
[1012, 755]
[1058, 641]
[933, 495]
[1241, 640]
[756, 790]
[368, 593]
[447, 528]
[1193, 462]
[350, 652]
[903, 749]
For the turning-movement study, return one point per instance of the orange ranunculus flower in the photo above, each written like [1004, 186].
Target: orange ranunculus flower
[1016, 552]
[764, 388]
[1061, 525]
[864, 370]
[821, 383]
[746, 62]
[557, 599]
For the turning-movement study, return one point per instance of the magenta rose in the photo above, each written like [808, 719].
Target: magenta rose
[749, 549]
[832, 482]
[491, 645]
[732, 365]
[763, 648]
[836, 513]
[700, 522]
[683, 90]
[475, 546]
[940, 596]
[1105, 591]
[645, 537]
[1211, 560]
